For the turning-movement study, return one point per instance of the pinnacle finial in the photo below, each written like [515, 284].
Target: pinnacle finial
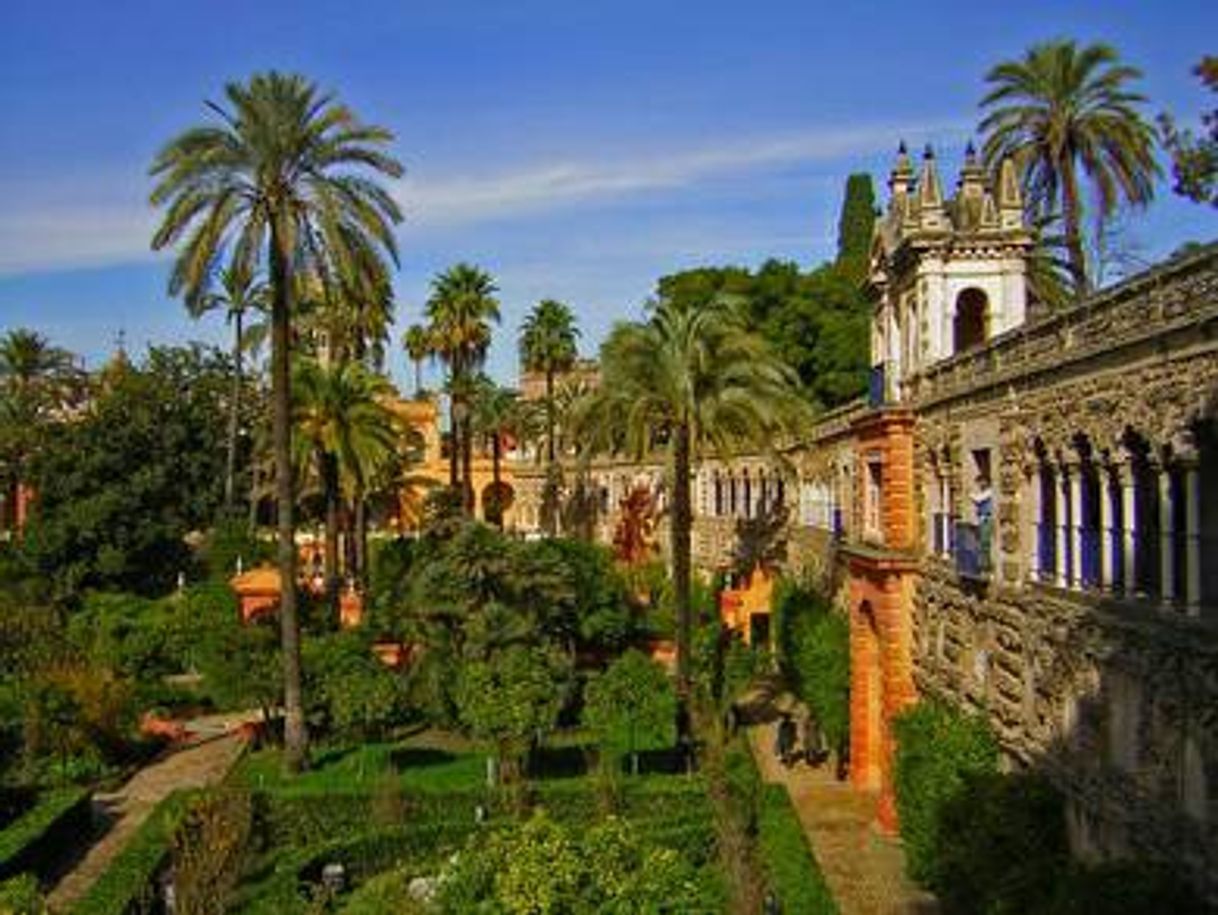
[901, 150]
[970, 151]
[928, 152]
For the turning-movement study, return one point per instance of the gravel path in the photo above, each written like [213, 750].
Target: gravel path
[199, 764]
[865, 871]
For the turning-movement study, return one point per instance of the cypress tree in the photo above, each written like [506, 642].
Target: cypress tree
[855, 225]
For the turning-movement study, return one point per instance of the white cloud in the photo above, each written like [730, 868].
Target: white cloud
[99, 224]
[472, 198]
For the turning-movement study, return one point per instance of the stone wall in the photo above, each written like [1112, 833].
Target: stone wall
[1116, 697]
[1117, 703]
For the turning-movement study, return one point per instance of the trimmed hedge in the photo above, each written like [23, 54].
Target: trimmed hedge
[790, 865]
[127, 886]
[35, 841]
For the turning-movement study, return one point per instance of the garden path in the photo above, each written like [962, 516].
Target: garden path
[214, 749]
[865, 871]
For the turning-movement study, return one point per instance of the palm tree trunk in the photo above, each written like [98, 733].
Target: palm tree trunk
[1073, 218]
[361, 536]
[253, 513]
[467, 462]
[496, 457]
[454, 435]
[681, 522]
[550, 414]
[329, 477]
[418, 378]
[230, 469]
[295, 737]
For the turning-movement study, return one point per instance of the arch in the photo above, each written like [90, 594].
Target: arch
[971, 323]
[496, 499]
[867, 702]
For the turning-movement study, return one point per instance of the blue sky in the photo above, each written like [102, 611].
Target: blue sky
[577, 150]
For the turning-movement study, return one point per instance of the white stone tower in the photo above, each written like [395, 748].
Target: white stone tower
[947, 274]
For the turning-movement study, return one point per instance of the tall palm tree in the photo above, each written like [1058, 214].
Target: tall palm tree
[460, 310]
[282, 176]
[1062, 107]
[691, 378]
[417, 343]
[548, 345]
[239, 292]
[347, 433]
[494, 417]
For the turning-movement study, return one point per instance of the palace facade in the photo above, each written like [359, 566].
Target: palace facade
[1020, 517]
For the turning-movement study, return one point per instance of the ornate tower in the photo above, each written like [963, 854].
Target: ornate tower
[948, 274]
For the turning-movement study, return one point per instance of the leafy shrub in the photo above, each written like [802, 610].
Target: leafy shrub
[35, 840]
[790, 865]
[352, 692]
[137, 637]
[1003, 845]
[814, 648]
[544, 867]
[385, 894]
[228, 541]
[1124, 888]
[512, 697]
[937, 749]
[631, 707]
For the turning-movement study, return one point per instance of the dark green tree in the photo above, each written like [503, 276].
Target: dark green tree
[121, 485]
[855, 225]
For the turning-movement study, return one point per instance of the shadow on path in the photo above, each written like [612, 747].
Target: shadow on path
[865, 871]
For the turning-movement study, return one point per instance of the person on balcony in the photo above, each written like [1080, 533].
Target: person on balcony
[983, 511]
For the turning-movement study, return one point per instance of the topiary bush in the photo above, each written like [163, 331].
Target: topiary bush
[938, 748]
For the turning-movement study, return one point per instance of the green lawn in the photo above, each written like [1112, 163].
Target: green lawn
[363, 769]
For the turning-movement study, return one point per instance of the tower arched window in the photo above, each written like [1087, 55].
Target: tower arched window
[971, 325]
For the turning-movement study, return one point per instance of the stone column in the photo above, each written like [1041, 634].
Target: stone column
[1129, 527]
[1107, 534]
[1167, 523]
[1061, 518]
[1036, 513]
[1192, 539]
[1076, 527]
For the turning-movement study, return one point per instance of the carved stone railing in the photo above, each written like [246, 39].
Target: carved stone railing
[1174, 296]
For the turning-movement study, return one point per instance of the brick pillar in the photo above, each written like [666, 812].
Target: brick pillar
[898, 687]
